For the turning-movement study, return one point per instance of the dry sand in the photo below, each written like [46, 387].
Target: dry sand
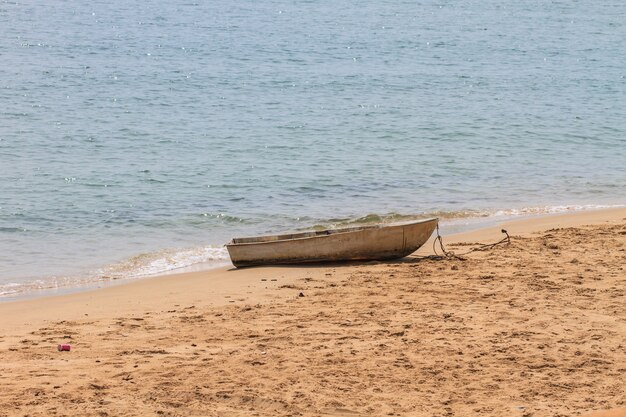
[537, 328]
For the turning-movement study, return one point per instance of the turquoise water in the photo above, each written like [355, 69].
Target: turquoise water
[139, 138]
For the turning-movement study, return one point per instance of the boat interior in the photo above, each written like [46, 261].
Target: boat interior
[301, 235]
[314, 233]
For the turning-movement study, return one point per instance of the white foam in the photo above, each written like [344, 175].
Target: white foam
[160, 262]
[525, 211]
[478, 219]
[13, 288]
[147, 264]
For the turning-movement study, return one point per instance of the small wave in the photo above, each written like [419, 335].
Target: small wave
[9, 289]
[374, 218]
[527, 211]
[154, 263]
[147, 264]
[222, 217]
[12, 229]
[368, 219]
[13, 289]
[453, 216]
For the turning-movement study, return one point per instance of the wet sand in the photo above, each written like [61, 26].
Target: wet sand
[537, 328]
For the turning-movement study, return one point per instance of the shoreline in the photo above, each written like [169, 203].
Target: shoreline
[228, 279]
[451, 228]
[534, 328]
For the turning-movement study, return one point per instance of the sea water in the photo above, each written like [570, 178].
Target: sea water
[137, 138]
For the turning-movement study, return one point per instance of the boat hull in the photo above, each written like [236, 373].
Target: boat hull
[381, 242]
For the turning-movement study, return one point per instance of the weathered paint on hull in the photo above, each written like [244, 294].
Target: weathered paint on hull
[380, 242]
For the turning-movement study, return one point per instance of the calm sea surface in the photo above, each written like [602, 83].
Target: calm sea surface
[137, 138]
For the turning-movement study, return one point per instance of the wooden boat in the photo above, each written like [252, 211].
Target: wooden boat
[375, 242]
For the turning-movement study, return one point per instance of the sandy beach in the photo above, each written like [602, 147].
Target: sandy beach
[536, 328]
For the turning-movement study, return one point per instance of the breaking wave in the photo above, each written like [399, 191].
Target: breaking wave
[139, 266]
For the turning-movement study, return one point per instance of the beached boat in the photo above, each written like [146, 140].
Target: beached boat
[375, 242]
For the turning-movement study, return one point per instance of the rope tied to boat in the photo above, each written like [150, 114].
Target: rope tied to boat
[481, 246]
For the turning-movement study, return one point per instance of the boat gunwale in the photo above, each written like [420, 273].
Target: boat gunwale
[322, 235]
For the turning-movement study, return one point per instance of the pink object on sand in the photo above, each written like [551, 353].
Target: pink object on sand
[63, 347]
